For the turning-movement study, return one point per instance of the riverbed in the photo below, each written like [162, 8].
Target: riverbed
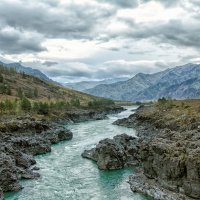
[65, 175]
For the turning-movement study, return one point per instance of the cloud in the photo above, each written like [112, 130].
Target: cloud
[50, 20]
[166, 3]
[175, 32]
[71, 71]
[96, 39]
[122, 3]
[49, 63]
[130, 68]
[61, 21]
[13, 41]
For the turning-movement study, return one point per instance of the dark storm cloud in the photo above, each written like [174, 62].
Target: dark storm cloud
[122, 3]
[14, 42]
[49, 63]
[73, 21]
[49, 19]
[71, 72]
[69, 21]
[174, 32]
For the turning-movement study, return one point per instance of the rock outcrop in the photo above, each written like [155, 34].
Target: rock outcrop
[1, 194]
[114, 153]
[18, 146]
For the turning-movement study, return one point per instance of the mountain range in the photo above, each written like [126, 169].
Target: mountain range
[181, 82]
[85, 85]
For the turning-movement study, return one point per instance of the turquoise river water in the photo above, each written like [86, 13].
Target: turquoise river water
[65, 175]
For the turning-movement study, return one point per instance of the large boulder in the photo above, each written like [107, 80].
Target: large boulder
[114, 153]
[60, 134]
[33, 146]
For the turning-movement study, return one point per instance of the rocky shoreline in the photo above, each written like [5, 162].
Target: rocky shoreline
[24, 137]
[167, 154]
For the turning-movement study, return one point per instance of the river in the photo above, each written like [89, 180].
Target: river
[65, 175]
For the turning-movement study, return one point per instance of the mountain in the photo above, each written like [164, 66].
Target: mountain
[28, 70]
[85, 85]
[14, 84]
[180, 82]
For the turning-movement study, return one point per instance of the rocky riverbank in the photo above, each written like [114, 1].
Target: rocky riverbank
[18, 147]
[21, 138]
[168, 152]
[169, 147]
[81, 115]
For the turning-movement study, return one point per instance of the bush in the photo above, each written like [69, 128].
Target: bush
[8, 105]
[2, 107]
[29, 94]
[5, 89]
[75, 103]
[162, 100]
[138, 103]
[43, 108]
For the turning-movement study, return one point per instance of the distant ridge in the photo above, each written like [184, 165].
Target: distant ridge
[84, 85]
[181, 82]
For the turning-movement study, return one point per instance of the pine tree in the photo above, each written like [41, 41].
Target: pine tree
[20, 93]
[25, 104]
[35, 92]
[2, 106]
[1, 78]
[9, 92]
[35, 106]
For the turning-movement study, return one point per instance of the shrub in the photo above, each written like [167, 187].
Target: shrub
[75, 103]
[2, 106]
[5, 89]
[162, 100]
[43, 108]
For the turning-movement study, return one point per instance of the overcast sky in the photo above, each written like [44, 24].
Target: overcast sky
[74, 40]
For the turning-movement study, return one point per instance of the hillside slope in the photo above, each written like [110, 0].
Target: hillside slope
[14, 84]
[179, 82]
[27, 70]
